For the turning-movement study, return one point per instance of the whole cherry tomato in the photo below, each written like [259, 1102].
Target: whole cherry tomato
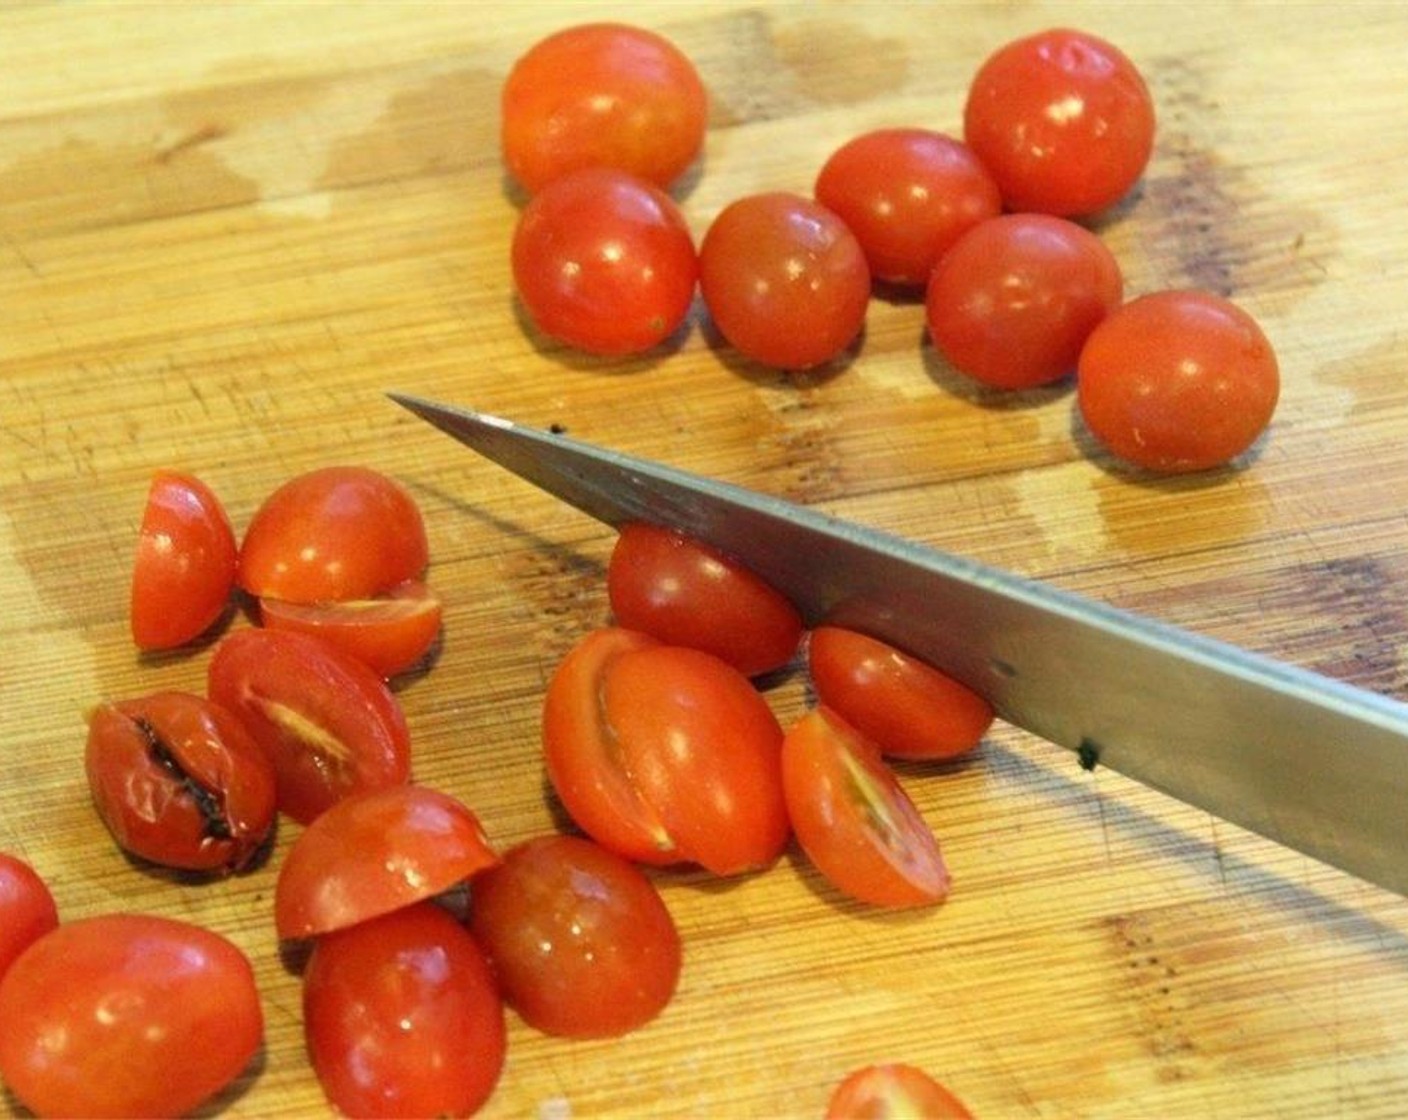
[907, 194]
[604, 262]
[27, 909]
[1013, 301]
[602, 95]
[785, 282]
[1062, 120]
[179, 781]
[892, 1090]
[685, 593]
[333, 533]
[328, 723]
[1178, 381]
[402, 1018]
[126, 1015]
[185, 565]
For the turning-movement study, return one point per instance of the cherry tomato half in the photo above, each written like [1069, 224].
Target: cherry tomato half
[185, 565]
[126, 1015]
[27, 909]
[1062, 120]
[892, 1090]
[1178, 381]
[602, 95]
[604, 262]
[402, 1018]
[579, 939]
[390, 633]
[685, 593]
[179, 781]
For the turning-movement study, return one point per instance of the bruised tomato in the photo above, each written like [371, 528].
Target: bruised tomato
[27, 909]
[391, 633]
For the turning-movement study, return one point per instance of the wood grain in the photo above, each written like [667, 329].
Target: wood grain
[226, 229]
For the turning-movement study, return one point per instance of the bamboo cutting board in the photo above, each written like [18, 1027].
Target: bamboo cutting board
[226, 229]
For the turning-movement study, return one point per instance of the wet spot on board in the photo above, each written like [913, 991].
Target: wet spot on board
[1371, 380]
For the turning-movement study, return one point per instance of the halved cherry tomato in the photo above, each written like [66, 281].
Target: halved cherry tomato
[327, 722]
[907, 708]
[179, 781]
[893, 1091]
[375, 852]
[185, 565]
[27, 909]
[854, 820]
[391, 633]
[402, 1018]
[333, 533]
[685, 593]
[580, 940]
[126, 1015]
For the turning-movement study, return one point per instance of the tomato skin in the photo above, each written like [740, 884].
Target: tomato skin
[326, 721]
[178, 780]
[891, 1090]
[1063, 120]
[1015, 298]
[854, 820]
[185, 565]
[907, 194]
[27, 908]
[375, 852]
[579, 938]
[126, 1015]
[685, 593]
[602, 95]
[402, 1018]
[907, 708]
[1178, 381]
[785, 282]
[340, 532]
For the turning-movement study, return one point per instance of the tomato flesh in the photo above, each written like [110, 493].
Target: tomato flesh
[893, 1091]
[27, 909]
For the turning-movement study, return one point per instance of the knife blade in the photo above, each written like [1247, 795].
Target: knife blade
[1316, 764]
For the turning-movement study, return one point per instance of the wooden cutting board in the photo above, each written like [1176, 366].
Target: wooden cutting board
[226, 229]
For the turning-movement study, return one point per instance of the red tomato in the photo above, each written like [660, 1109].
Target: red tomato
[179, 781]
[907, 194]
[373, 853]
[664, 754]
[604, 262]
[1062, 120]
[126, 1015]
[685, 593]
[27, 909]
[333, 533]
[785, 281]
[891, 1091]
[1015, 298]
[602, 95]
[328, 723]
[907, 708]
[185, 566]
[854, 820]
[579, 939]
[390, 633]
[402, 1018]
[1178, 381]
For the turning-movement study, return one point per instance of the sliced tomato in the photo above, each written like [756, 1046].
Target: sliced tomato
[391, 633]
[27, 909]
[892, 1091]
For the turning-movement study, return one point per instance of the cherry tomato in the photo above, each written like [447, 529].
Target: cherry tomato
[126, 1015]
[785, 281]
[854, 820]
[1062, 120]
[327, 722]
[685, 593]
[402, 1018]
[891, 1091]
[1015, 298]
[27, 909]
[665, 754]
[185, 565]
[375, 852]
[602, 95]
[179, 781]
[333, 533]
[907, 708]
[604, 262]
[579, 939]
[907, 194]
[1178, 381]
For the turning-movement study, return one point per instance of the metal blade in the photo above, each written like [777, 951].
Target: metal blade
[1316, 764]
